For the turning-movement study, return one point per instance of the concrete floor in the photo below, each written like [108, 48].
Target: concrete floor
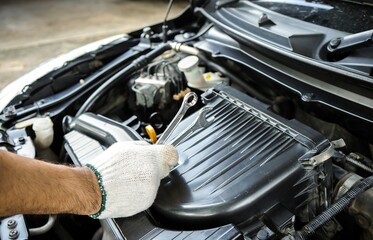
[34, 31]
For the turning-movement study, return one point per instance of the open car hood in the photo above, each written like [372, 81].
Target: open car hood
[20, 85]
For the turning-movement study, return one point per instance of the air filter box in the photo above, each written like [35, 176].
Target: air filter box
[248, 164]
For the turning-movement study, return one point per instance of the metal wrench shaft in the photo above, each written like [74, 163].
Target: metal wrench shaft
[190, 99]
[200, 122]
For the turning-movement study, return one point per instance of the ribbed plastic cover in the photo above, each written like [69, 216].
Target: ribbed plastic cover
[245, 163]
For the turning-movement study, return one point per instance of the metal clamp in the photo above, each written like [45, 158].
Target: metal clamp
[325, 155]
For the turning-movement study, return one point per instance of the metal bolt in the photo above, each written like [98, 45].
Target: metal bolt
[11, 223]
[263, 18]
[307, 97]
[335, 42]
[146, 32]
[262, 235]
[13, 234]
[188, 35]
[10, 111]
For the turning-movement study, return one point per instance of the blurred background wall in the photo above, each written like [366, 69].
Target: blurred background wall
[34, 31]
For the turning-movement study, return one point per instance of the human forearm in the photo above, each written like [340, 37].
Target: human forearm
[129, 175]
[34, 187]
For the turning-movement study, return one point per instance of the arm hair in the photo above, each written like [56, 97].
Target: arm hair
[29, 186]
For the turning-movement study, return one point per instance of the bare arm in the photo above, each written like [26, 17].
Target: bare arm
[30, 186]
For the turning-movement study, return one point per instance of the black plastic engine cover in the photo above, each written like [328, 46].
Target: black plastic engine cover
[246, 164]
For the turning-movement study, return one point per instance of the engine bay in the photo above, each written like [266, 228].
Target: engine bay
[216, 163]
[272, 165]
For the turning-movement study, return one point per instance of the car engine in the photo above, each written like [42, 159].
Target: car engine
[231, 175]
[273, 163]
[229, 165]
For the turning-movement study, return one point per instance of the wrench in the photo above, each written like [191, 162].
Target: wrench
[200, 122]
[190, 99]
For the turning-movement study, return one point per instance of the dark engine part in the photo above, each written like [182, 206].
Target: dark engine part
[91, 133]
[360, 208]
[250, 166]
[103, 129]
[247, 164]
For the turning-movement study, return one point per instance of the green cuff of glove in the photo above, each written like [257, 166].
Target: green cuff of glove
[103, 192]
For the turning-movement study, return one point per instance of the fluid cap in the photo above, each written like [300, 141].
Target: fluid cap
[194, 76]
[188, 63]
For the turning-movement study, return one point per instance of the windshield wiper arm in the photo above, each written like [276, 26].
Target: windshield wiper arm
[339, 47]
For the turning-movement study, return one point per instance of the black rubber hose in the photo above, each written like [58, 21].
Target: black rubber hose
[136, 65]
[343, 202]
[199, 34]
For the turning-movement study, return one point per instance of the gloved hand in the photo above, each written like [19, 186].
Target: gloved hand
[129, 175]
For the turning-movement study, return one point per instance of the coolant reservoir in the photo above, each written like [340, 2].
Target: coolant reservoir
[43, 128]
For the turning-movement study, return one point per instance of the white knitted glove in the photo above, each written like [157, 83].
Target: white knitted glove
[129, 175]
